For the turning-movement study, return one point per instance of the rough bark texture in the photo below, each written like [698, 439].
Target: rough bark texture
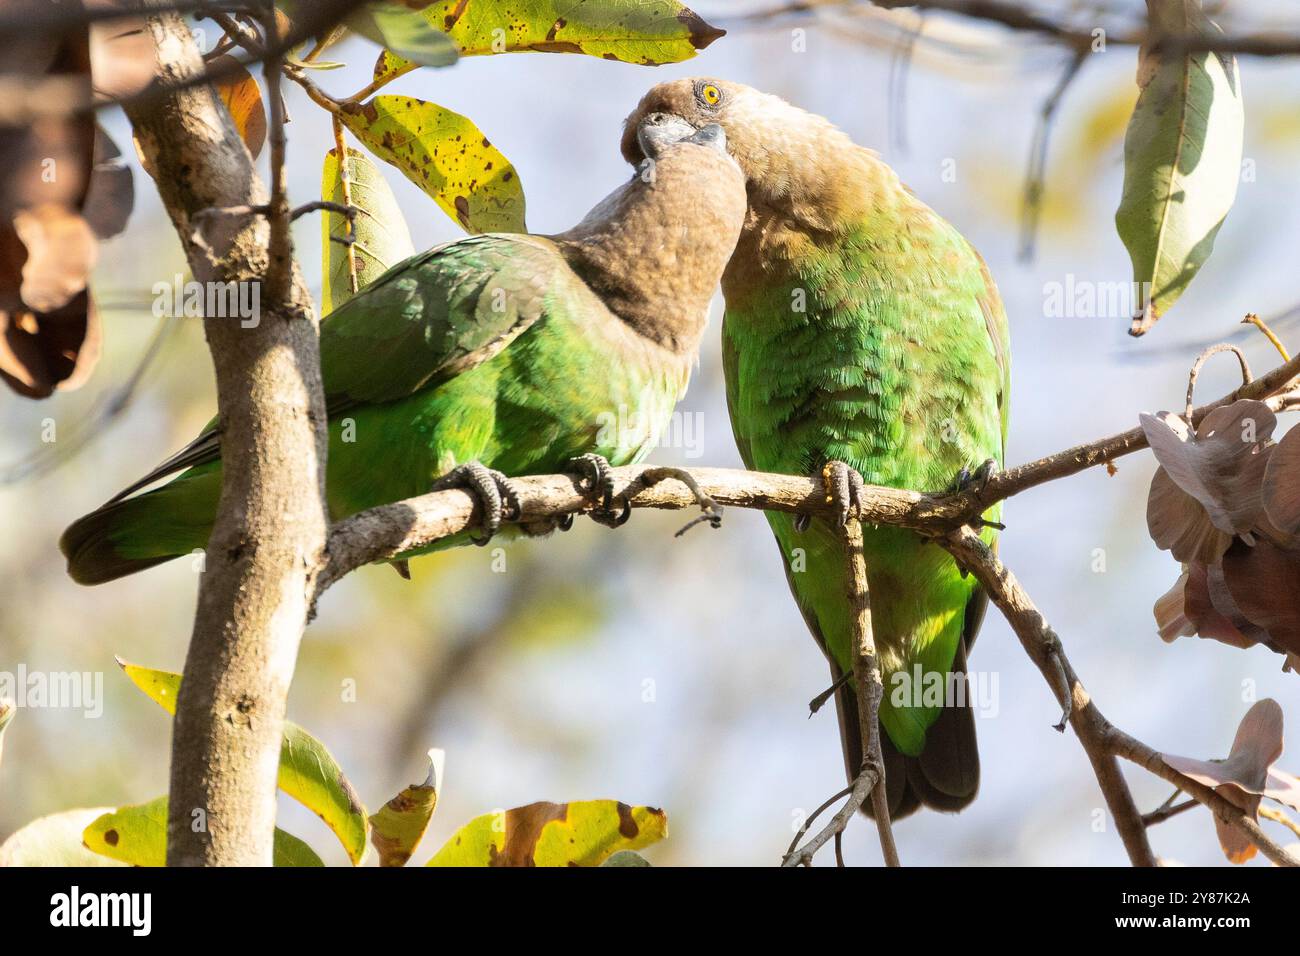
[271, 523]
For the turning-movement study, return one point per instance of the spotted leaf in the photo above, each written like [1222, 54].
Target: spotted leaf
[447, 156]
[553, 834]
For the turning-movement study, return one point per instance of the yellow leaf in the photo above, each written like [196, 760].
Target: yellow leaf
[553, 834]
[308, 771]
[398, 827]
[138, 835]
[444, 154]
[648, 32]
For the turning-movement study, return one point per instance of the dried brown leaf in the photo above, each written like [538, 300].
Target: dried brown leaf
[111, 195]
[1180, 525]
[1264, 583]
[1281, 489]
[1209, 609]
[1243, 776]
[40, 352]
[61, 252]
[1221, 463]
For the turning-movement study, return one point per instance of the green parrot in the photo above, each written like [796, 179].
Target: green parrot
[487, 356]
[863, 339]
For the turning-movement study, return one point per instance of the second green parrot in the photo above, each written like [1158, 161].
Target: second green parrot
[861, 330]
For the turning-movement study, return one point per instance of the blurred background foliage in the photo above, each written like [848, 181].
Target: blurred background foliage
[676, 672]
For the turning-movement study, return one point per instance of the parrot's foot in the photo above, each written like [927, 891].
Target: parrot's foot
[597, 484]
[844, 488]
[492, 489]
[710, 510]
[967, 480]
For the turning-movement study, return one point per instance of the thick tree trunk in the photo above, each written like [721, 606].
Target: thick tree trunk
[271, 523]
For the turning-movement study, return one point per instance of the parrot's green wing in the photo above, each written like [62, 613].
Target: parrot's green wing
[423, 321]
[995, 317]
[435, 315]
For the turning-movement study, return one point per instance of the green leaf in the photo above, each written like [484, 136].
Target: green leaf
[1182, 161]
[396, 830]
[406, 32]
[308, 771]
[54, 841]
[444, 154]
[400, 26]
[647, 32]
[138, 835]
[382, 239]
[553, 834]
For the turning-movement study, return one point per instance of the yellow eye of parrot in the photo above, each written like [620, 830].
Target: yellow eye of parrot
[710, 94]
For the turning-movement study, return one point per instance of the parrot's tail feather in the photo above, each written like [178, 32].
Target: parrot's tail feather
[945, 777]
[93, 556]
[133, 534]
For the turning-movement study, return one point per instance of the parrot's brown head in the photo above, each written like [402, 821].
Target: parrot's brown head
[790, 158]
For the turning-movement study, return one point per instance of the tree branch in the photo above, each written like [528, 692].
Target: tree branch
[388, 531]
[271, 520]
[1015, 16]
[870, 781]
[382, 533]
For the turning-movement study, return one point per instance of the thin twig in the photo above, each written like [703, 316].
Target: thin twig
[1169, 809]
[1020, 18]
[871, 689]
[859, 793]
[1253, 319]
[1246, 376]
[1036, 176]
[345, 188]
[812, 817]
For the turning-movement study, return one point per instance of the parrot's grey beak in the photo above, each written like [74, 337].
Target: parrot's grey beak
[658, 131]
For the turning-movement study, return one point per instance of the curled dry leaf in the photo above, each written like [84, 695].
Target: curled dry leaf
[42, 351]
[1188, 608]
[1244, 776]
[399, 825]
[1281, 491]
[1264, 583]
[49, 333]
[1220, 464]
[61, 252]
[111, 195]
[1178, 524]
